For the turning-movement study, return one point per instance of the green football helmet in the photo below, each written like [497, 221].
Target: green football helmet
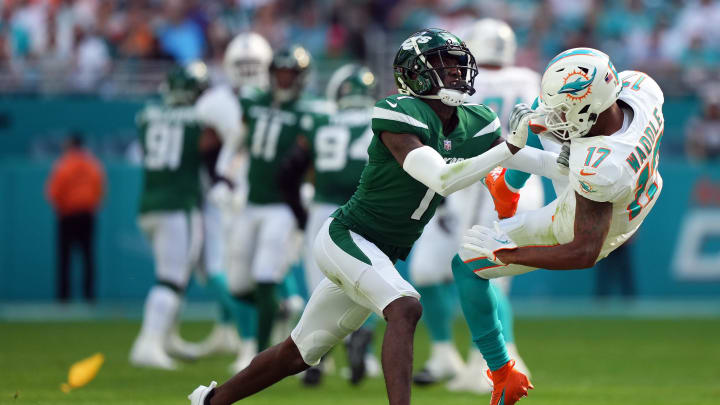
[352, 86]
[295, 58]
[183, 85]
[415, 75]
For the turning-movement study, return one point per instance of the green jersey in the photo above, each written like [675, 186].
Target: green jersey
[171, 159]
[272, 132]
[339, 153]
[390, 208]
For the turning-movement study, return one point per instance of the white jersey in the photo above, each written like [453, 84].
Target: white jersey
[503, 88]
[219, 108]
[621, 168]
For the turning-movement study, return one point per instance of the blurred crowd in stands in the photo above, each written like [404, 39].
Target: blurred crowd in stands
[84, 41]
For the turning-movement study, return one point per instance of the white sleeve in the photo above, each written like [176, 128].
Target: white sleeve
[219, 108]
[229, 147]
[426, 165]
[536, 161]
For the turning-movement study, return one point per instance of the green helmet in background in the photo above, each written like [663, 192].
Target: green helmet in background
[416, 75]
[183, 85]
[352, 86]
[295, 58]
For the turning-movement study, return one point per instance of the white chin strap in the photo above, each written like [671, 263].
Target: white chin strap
[449, 97]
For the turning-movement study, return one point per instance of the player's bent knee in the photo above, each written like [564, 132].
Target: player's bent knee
[312, 346]
[291, 356]
[404, 309]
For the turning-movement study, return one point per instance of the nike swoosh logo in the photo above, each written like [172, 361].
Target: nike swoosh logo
[393, 105]
[502, 241]
[584, 173]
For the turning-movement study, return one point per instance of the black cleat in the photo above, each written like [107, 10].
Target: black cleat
[424, 377]
[312, 377]
[357, 347]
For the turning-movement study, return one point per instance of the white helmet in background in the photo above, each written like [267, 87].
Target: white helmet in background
[492, 42]
[247, 60]
[577, 86]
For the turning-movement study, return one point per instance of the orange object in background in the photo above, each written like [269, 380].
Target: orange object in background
[77, 183]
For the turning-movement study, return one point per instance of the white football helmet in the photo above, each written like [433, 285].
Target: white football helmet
[492, 42]
[247, 60]
[577, 86]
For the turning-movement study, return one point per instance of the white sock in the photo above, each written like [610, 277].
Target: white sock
[161, 308]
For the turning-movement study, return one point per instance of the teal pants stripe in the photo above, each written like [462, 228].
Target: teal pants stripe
[479, 306]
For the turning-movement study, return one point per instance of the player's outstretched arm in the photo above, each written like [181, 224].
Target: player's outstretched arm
[536, 161]
[592, 223]
[427, 166]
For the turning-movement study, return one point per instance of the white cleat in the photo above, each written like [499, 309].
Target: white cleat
[474, 378]
[180, 348]
[197, 397]
[248, 350]
[145, 353]
[444, 363]
[222, 339]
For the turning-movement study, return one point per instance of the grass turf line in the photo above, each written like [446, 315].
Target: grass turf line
[573, 361]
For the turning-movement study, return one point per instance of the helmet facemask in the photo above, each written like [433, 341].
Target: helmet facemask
[425, 78]
[566, 122]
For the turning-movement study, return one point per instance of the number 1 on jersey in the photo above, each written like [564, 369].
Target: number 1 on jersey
[424, 204]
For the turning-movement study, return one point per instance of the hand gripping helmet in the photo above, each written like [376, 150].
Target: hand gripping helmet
[295, 58]
[415, 75]
[492, 42]
[183, 85]
[352, 86]
[247, 59]
[577, 86]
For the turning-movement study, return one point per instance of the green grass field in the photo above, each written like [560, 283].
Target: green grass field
[574, 361]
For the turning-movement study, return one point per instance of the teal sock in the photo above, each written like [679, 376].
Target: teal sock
[371, 323]
[479, 306]
[267, 307]
[245, 315]
[217, 283]
[505, 313]
[435, 312]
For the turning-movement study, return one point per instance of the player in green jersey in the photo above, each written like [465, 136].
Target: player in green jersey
[426, 145]
[172, 143]
[337, 151]
[262, 233]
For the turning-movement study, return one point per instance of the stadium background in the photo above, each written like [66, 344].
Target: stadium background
[90, 65]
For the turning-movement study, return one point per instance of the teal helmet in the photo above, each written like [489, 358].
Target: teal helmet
[295, 58]
[184, 84]
[416, 75]
[352, 86]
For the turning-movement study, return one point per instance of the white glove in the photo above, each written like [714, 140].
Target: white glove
[483, 242]
[198, 396]
[520, 117]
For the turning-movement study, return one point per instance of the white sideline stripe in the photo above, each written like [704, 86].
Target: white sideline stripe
[384, 114]
[489, 128]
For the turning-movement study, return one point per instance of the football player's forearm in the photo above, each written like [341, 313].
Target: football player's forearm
[427, 166]
[535, 161]
[569, 256]
[227, 153]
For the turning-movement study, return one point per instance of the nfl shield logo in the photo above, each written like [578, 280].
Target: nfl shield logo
[447, 144]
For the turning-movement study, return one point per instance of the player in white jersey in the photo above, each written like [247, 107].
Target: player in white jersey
[499, 85]
[614, 125]
[246, 61]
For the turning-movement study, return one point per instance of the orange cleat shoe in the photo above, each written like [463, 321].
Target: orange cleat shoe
[509, 385]
[506, 201]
